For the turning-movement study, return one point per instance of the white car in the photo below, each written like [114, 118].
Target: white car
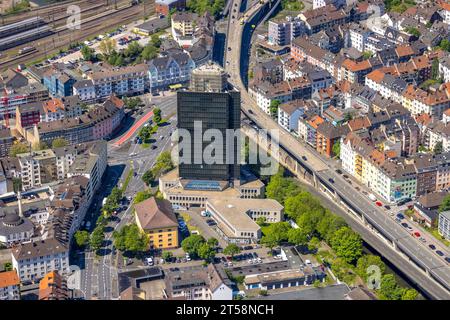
[149, 261]
[250, 261]
[188, 257]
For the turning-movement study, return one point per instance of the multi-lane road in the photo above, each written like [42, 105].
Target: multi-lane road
[413, 248]
[98, 273]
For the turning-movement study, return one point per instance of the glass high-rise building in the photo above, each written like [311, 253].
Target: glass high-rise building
[210, 105]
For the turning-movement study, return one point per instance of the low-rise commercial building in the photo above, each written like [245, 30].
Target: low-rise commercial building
[156, 219]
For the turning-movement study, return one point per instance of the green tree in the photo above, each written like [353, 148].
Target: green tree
[107, 47]
[148, 178]
[40, 146]
[150, 52]
[297, 236]
[206, 252]
[231, 250]
[328, 225]
[59, 142]
[213, 242]
[365, 262]
[445, 45]
[409, 294]
[130, 238]
[280, 188]
[438, 148]
[167, 255]
[133, 50]
[18, 148]
[313, 244]
[156, 41]
[17, 184]
[81, 238]
[157, 115]
[192, 243]
[135, 239]
[87, 53]
[279, 230]
[347, 244]
[445, 205]
[435, 69]
[337, 149]
[413, 31]
[261, 221]
[142, 195]
[97, 238]
[273, 108]
[269, 241]
[8, 266]
[389, 289]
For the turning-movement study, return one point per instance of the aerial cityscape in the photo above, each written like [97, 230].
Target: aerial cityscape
[252, 150]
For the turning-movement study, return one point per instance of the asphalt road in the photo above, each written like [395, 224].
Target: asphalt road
[413, 247]
[98, 273]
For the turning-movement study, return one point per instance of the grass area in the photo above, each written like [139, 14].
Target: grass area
[128, 179]
[293, 5]
[399, 6]
[434, 232]
[145, 145]
[21, 6]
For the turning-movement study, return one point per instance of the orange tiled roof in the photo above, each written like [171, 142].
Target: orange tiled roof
[9, 278]
[423, 119]
[53, 105]
[376, 75]
[315, 121]
[356, 66]
[445, 6]
[358, 123]
[404, 51]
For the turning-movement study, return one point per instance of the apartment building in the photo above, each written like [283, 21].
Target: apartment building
[288, 115]
[9, 286]
[97, 124]
[444, 224]
[53, 287]
[198, 283]
[432, 102]
[85, 90]
[124, 81]
[169, 70]
[281, 32]
[61, 108]
[33, 260]
[16, 90]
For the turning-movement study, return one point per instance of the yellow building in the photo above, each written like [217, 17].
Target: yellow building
[156, 218]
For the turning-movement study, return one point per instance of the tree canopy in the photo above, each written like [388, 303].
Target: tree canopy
[131, 239]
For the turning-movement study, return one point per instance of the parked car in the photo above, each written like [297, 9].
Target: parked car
[432, 246]
[440, 253]
[400, 215]
[379, 203]
[339, 171]
[416, 234]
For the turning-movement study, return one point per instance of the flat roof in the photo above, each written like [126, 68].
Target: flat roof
[234, 212]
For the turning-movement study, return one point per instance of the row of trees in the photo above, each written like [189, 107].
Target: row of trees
[130, 239]
[112, 202]
[163, 165]
[317, 224]
[214, 7]
[134, 53]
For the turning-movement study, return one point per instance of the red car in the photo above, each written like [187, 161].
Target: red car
[378, 203]
[417, 234]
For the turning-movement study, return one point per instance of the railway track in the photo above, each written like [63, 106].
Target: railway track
[48, 11]
[62, 39]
